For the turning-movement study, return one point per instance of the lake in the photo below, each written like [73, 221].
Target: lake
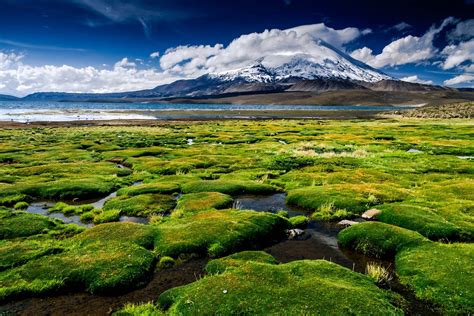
[24, 111]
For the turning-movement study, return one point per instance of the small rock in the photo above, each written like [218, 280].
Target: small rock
[371, 214]
[414, 151]
[347, 223]
[295, 233]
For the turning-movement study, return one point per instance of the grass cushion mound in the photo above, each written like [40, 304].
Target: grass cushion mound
[142, 235]
[220, 265]
[95, 267]
[379, 239]
[14, 224]
[83, 188]
[421, 219]
[231, 187]
[263, 288]
[15, 253]
[354, 198]
[141, 205]
[203, 201]
[440, 273]
[216, 233]
[154, 187]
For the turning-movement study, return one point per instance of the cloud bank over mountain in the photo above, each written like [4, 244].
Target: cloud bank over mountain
[276, 46]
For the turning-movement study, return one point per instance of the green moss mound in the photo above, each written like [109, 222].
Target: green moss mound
[378, 239]
[228, 187]
[12, 199]
[354, 198]
[203, 201]
[216, 233]
[142, 235]
[70, 189]
[146, 309]
[440, 273]
[421, 219]
[15, 224]
[296, 288]
[141, 205]
[106, 216]
[15, 253]
[96, 267]
[67, 209]
[146, 188]
[220, 265]
[299, 221]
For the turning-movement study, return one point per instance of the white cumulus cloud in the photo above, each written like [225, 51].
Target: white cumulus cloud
[463, 31]
[155, 55]
[406, 50]
[273, 44]
[20, 79]
[416, 79]
[464, 79]
[180, 62]
[458, 54]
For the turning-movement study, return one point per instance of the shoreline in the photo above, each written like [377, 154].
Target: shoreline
[164, 117]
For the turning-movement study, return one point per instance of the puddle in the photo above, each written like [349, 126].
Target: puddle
[133, 219]
[100, 203]
[320, 238]
[320, 243]
[266, 203]
[42, 208]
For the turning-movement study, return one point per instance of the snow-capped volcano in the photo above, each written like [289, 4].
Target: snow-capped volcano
[316, 69]
[325, 63]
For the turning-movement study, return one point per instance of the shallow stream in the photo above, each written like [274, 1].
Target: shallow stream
[318, 242]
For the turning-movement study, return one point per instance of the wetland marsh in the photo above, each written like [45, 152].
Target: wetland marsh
[242, 219]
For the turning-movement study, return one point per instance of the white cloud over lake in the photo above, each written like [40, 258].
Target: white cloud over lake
[17, 78]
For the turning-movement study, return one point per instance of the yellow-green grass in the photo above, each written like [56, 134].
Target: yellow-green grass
[217, 232]
[255, 285]
[152, 187]
[440, 274]
[378, 239]
[428, 221]
[142, 235]
[342, 167]
[353, 199]
[203, 201]
[231, 187]
[141, 205]
[95, 267]
[14, 224]
[15, 253]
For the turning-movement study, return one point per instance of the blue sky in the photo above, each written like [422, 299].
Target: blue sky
[80, 45]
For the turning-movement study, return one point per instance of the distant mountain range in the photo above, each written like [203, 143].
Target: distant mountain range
[4, 97]
[274, 79]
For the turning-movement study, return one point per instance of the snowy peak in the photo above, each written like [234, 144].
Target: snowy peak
[325, 63]
[253, 73]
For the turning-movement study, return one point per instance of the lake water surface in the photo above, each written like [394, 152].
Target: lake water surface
[32, 111]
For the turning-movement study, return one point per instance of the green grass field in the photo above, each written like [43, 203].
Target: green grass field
[418, 173]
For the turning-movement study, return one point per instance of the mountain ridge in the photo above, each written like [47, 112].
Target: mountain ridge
[278, 73]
